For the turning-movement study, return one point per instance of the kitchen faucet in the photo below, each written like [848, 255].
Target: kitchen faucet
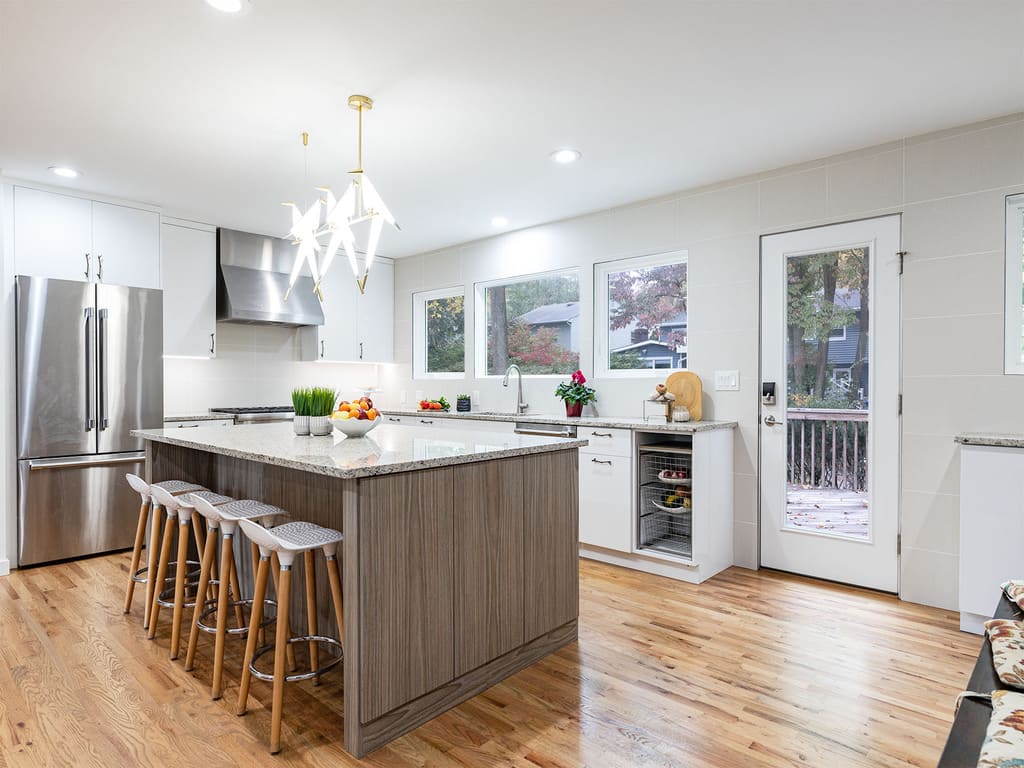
[520, 405]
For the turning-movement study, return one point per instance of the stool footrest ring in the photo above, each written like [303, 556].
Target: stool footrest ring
[328, 641]
[211, 610]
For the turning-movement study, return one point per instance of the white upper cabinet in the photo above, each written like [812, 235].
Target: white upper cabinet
[357, 327]
[72, 238]
[52, 235]
[189, 265]
[126, 244]
[377, 315]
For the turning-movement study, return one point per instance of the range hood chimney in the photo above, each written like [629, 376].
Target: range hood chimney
[252, 277]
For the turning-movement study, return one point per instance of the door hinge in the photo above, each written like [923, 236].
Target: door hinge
[899, 405]
[902, 255]
[899, 543]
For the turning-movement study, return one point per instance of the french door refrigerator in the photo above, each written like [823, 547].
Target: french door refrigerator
[89, 370]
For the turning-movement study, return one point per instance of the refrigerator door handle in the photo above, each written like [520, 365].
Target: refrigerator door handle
[36, 465]
[90, 422]
[104, 422]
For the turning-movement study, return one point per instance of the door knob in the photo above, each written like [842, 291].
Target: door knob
[769, 421]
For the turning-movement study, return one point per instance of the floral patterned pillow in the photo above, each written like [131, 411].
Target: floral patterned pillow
[1004, 741]
[1007, 639]
[1014, 590]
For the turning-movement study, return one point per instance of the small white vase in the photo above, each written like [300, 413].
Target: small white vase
[320, 425]
[301, 425]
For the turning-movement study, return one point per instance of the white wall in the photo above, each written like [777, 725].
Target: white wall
[8, 452]
[950, 188]
[255, 365]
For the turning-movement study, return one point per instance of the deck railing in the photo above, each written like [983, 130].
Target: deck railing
[827, 448]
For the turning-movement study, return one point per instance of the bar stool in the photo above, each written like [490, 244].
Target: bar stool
[182, 509]
[137, 575]
[224, 518]
[286, 542]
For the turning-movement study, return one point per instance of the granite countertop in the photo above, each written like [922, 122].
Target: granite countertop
[608, 422]
[385, 450]
[990, 438]
[199, 417]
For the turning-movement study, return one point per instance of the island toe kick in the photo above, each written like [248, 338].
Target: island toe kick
[454, 577]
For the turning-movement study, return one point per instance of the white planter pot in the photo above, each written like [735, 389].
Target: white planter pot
[301, 425]
[320, 425]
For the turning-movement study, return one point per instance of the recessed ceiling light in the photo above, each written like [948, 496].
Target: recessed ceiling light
[499, 221]
[565, 156]
[228, 6]
[65, 172]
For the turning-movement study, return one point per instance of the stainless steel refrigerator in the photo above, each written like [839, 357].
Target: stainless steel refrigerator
[90, 370]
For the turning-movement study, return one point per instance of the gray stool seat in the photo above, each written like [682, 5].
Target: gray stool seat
[249, 509]
[188, 500]
[178, 486]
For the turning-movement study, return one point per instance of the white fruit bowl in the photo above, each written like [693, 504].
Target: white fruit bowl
[355, 427]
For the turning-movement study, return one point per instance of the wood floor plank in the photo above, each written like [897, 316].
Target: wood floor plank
[749, 668]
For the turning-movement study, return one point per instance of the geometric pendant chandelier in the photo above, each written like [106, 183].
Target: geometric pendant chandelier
[327, 227]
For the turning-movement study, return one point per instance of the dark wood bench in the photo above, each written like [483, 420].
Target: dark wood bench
[963, 747]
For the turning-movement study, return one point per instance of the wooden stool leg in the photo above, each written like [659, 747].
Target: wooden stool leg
[280, 645]
[255, 569]
[180, 578]
[205, 570]
[311, 618]
[155, 585]
[140, 537]
[236, 591]
[227, 555]
[255, 619]
[334, 574]
[151, 562]
[276, 571]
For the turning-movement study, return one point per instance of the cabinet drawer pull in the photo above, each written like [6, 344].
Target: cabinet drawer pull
[392, 418]
[187, 426]
[601, 434]
[426, 421]
[602, 461]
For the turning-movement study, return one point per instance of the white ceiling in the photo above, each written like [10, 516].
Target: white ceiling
[173, 103]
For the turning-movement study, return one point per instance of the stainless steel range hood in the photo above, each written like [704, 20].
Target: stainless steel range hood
[252, 277]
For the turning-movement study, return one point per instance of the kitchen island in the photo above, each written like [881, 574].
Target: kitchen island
[459, 559]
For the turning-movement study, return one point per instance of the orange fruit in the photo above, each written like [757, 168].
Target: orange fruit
[371, 414]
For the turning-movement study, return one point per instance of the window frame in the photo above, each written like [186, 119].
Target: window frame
[419, 332]
[480, 319]
[602, 367]
[1013, 360]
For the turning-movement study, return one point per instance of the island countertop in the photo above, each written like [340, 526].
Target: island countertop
[386, 450]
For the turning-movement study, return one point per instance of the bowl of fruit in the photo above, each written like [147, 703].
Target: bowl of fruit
[356, 418]
[441, 404]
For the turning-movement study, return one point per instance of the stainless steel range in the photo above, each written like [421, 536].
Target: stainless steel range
[255, 415]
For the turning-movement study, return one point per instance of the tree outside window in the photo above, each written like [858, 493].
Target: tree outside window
[439, 333]
[532, 323]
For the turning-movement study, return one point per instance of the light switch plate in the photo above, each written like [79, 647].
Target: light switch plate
[727, 381]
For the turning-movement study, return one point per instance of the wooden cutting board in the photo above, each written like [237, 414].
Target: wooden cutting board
[689, 392]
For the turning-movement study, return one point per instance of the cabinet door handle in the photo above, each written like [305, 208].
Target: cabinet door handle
[426, 421]
[88, 268]
[360, 350]
[187, 426]
[602, 461]
[601, 434]
[321, 349]
[213, 345]
[99, 272]
[392, 418]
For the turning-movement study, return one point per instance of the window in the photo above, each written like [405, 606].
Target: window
[439, 334]
[641, 320]
[1015, 284]
[532, 321]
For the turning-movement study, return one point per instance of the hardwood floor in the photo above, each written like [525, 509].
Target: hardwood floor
[748, 669]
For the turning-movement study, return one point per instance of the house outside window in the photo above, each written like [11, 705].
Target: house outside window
[439, 334]
[641, 322]
[1014, 310]
[531, 321]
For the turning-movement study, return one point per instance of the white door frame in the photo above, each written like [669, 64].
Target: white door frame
[794, 550]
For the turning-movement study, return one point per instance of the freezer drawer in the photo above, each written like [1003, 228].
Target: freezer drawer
[71, 507]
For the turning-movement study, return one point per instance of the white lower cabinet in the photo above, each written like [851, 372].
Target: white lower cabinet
[606, 494]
